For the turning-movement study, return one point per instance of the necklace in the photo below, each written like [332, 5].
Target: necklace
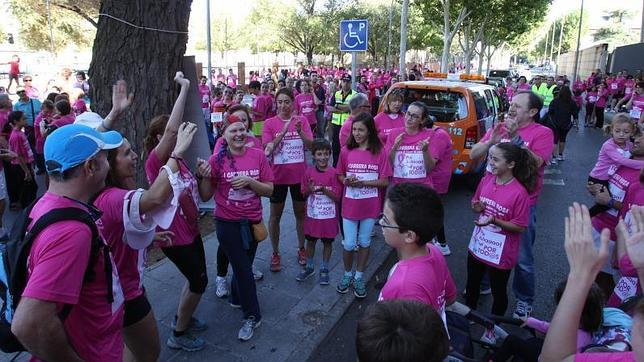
[504, 182]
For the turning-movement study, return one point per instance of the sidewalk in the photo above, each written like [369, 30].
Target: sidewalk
[295, 316]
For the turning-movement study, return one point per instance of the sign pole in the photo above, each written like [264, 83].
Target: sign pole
[353, 69]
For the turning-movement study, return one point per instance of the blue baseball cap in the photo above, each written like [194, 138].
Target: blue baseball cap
[73, 144]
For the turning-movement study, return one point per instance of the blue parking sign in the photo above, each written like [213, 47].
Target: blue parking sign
[354, 35]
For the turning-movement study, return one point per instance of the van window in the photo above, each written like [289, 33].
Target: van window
[492, 104]
[446, 106]
[482, 109]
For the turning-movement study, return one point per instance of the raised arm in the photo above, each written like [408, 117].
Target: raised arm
[121, 101]
[169, 138]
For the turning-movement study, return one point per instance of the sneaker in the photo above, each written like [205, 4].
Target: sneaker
[246, 331]
[560, 158]
[305, 274]
[301, 256]
[553, 161]
[324, 277]
[257, 275]
[234, 305]
[522, 310]
[487, 291]
[488, 337]
[221, 287]
[195, 325]
[276, 262]
[444, 248]
[359, 288]
[186, 342]
[343, 287]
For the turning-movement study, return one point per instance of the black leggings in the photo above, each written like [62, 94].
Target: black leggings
[335, 143]
[20, 191]
[498, 282]
[222, 259]
[599, 114]
[191, 261]
[590, 109]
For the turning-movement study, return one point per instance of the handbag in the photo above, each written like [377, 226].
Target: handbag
[260, 233]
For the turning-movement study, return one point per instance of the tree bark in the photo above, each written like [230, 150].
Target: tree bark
[146, 59]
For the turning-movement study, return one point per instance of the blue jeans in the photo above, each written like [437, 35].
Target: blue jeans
[321, 127]
[523, 285]
[357, 233]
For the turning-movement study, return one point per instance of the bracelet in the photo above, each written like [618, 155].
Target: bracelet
[173, 155]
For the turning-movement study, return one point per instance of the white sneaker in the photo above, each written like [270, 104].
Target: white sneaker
[221, 287]
[258, 275]
[553, 161]
[444, 248]
[560, 158]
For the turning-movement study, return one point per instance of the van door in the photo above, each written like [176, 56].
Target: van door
[484, 112]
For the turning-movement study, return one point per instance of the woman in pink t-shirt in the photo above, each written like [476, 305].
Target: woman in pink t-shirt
[305, 103]
[591, 99]
[502, 202]
[238, 176]
[128, 224]
[602, 99]
[40, 126]
[22, 186]
[635, 104]
[285, 138]
[391, 117]
[364, 170]
[187, 251]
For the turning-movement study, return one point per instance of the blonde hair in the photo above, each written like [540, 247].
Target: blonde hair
[619, 118]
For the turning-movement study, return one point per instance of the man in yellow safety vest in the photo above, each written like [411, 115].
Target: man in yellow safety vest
[340, 108]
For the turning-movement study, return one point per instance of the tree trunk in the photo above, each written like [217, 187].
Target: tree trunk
[146, 59]
[481, 56]
[309, 56]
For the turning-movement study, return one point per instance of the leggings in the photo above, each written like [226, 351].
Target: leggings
[222, 259]
[335, 144]
[590, 109]
[599, 114]
[498, 282]
[191, 262]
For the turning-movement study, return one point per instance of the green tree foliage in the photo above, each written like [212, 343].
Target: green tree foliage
[569, 38]
[616, 34]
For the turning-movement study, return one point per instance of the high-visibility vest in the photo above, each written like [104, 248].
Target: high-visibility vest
[549, 95]
[339, 118]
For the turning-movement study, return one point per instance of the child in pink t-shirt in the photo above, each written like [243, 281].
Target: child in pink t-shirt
[321, 188]
[412, 215]
[591, 99]
[502, 202]
[364, 170]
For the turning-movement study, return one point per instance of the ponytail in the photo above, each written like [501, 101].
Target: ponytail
[525, 166]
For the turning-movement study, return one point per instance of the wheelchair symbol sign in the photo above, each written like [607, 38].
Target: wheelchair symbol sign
[354, 35]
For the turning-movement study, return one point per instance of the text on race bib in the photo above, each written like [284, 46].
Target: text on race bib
[626, 287]
[409, 164]
[358, 193]
[487, 245]
[320, 207]
[289, 151]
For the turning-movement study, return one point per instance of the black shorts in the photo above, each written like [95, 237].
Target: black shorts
[280, 191]
[191, 261]
[135, 310]
[313, 238]
[560, 133]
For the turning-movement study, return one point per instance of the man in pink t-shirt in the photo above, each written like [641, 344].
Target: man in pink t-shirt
[412, 215]
[521, 129]
[60, 255]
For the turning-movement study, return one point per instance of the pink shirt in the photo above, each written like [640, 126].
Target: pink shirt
[4, 118]
[385, 123]
[251, 141]
[321, 218]
[409, 165]
[637, 106]
[510, 202]
[424, 278]
[288, 156]
[629, 85]
[130, 262]
[234, 205]
[345, 131]
[56, 267]
[612, 156]
[602, 98]
[618, 183]
[538, 139]
[19, 144]
[605, 357]
[583, 338]
[262, 107]
[79, 107]
[591, 97]
[204, 94]
[185, 225]
[442, 172]
[578, 86]
[364, 202]
[40, 140]
[64, 120]
[305, 106]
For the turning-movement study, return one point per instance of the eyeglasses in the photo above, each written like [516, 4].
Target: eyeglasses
[413, 116]
[382, 221]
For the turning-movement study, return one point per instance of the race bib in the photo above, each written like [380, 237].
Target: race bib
[613, 86]
[626, 287]
[320, 207]
[205, 99]
[410, 165]
[358, 193]
[592, 99]
[307, 110]
[241, 194]
[487, 244]
[635, 113]
[628, 90]
[216, 117]
[617, 194]
[291, 151]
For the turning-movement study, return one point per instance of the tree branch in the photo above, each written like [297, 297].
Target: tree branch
[77, 10]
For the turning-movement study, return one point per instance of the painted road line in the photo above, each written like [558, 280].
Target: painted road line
[556, 182]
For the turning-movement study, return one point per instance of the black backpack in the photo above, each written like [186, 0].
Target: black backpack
[14, 253]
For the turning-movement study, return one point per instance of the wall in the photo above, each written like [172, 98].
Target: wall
[589, 60]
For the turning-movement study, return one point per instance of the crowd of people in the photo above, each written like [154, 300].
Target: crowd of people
[349, 164]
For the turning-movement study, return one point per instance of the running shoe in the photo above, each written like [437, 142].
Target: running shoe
[560, 158]
[324, 277]
[257, 275]
[195, 325]
[301, 256]
[276, 262]
[486, 291]
[221, 287]
[553, 161]
[234, 305]
[186, 342]
[305, 274]
[359, 288]
[522, 310]
[345, 283]
[246, 331]
[444, 248]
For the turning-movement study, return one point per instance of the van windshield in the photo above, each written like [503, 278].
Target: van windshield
[444, 105]
[499, 73]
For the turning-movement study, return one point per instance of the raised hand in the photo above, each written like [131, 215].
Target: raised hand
[635, 239]
[584, 259]
[203, 168]
[183, 82]
[187, 131]
[120, 99]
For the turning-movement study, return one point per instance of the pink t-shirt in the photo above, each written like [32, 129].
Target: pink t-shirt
[385, 123]
[234, 205]
[442, 172]
[204, 94]
[130, 262]
[629, 85]
[591, 97]
[605, 357]
[40, 140]
[262, 107]
[628, 284]
[538, 139]
[4, 118]
[409, 165]
[251, 141]
[321, 217]
[64, 120]
[56, 267]
[602, 98]
[510, 202]
[288, 157]
[637, 106]
[19, 144]
[345, 131]
[583, 338]
[611, 156]
[305, 106]
[578, 86]
[613, 86]
[359, 203]
[424, 278]
[618, 183]
[185, 225]
[79, 107]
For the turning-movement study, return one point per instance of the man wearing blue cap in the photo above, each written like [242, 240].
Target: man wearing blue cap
[76, 161]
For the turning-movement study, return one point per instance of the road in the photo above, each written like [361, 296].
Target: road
[564, 183]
